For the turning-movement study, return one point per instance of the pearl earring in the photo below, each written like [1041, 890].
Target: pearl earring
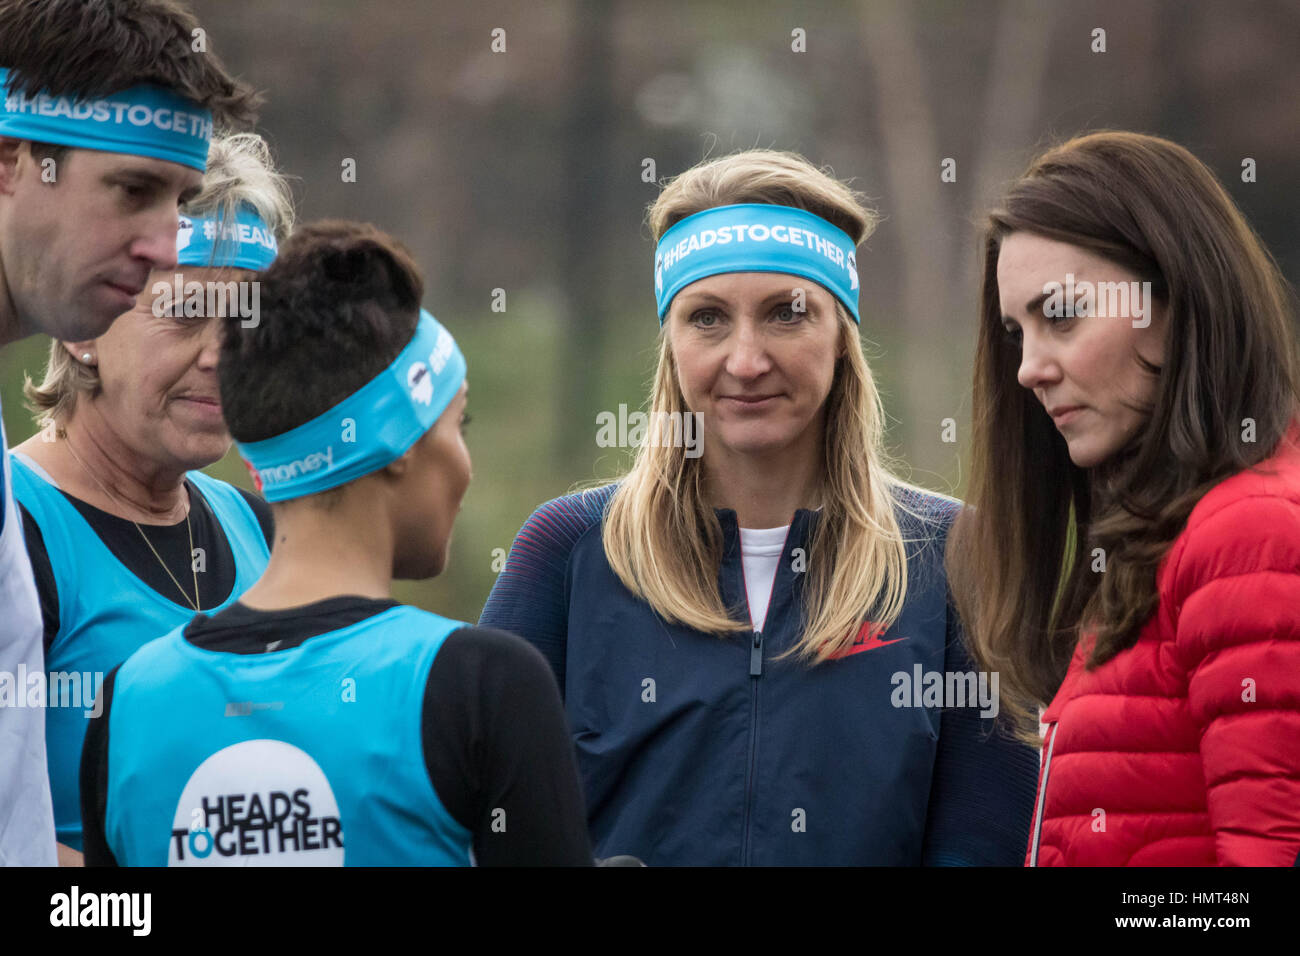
[86, 357]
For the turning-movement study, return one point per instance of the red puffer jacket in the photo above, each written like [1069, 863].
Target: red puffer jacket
[1184, 750]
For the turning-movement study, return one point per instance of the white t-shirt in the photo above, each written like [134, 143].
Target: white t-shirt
[760, 553]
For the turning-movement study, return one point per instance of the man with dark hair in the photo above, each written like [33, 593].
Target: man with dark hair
[108, 107]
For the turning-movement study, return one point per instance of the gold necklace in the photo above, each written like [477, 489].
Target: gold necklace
[195, 604]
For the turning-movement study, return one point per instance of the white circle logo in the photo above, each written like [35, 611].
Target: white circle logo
[257, 803]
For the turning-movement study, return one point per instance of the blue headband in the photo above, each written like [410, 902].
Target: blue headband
[756, 237]
[246, 243]
[142, 121]
[369, 429]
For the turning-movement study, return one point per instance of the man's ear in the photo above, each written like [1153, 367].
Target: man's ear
[11, 151]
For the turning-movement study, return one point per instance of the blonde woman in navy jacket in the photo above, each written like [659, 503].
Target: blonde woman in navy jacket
[752, 629]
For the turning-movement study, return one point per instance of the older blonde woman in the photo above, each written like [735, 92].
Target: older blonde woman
[127, 539]
[749, 638]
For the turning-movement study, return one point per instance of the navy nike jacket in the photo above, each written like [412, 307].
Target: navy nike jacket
[700, 750]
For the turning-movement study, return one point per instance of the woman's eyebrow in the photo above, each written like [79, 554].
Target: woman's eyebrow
[698, 298]
[1032, 305]
[788, 294]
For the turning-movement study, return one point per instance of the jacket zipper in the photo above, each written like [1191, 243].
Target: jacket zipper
[755, 672]
[1042, 797]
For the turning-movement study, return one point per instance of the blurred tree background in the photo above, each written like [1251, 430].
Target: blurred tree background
[521, 170]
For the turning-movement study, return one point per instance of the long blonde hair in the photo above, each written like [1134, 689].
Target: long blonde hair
[661, 536]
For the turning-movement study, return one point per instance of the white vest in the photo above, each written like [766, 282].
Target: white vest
[26, 813]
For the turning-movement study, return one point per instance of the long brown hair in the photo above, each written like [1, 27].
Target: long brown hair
[1020, 561]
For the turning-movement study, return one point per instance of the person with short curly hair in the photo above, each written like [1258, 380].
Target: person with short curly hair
[404, 738]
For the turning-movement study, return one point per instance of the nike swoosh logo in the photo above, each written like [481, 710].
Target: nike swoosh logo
[868, 639]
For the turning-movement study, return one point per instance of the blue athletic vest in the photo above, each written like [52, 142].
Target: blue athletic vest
[307, 756]
[106, 613]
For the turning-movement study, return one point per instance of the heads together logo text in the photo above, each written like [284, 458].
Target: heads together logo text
[754, 232]
[257, 803]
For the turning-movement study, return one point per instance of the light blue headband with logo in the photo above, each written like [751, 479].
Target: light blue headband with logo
[371, 428]
[245, 243]
[756, 237]
[142, 121]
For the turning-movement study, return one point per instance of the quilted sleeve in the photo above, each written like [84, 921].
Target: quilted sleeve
[1236, 592]
[529, 598]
